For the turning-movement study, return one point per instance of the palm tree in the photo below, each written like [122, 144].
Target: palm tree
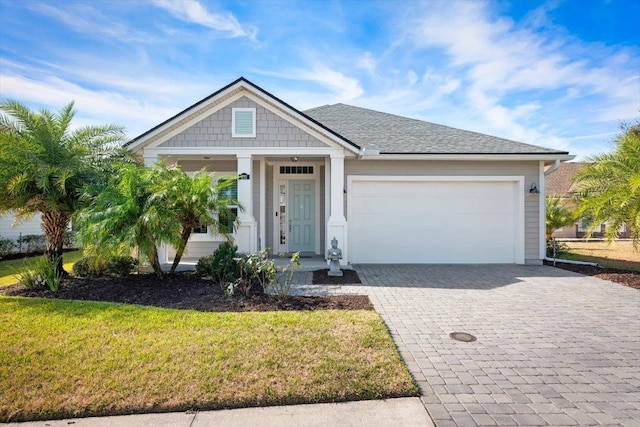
[125, 215]
[558, 215]
[45, 166]
[609, 187]
[194, 201]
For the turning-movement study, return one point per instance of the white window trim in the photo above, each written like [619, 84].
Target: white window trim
[210, 236]
[233, 123]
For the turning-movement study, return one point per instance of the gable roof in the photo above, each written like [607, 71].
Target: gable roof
[559, 183]
[240, 83]
[391, 134]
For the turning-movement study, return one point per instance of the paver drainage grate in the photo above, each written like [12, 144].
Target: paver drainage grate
[462, 336]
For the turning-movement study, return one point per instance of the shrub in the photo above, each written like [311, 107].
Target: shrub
[95, 266]
[69, 240]
[120, 265]
[560, 248]
[33, 243]
[257, 273]
[6, 246]
[282, 286]
[43, 274]
[222, 266]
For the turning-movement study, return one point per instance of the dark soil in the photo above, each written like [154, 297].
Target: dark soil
[321, 277]
[184, 291]
[624, 277]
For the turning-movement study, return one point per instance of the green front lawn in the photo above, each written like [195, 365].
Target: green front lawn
[9, 269]
[71, 358]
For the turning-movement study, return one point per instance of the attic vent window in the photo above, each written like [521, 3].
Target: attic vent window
[299, 170]
[243, 122]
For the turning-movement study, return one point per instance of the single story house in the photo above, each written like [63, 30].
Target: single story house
[390, 189]
[560, 184]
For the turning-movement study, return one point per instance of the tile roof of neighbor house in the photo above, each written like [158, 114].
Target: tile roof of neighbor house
[391, 134]
[559, 182]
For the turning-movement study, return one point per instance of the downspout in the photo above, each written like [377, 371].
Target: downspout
[556, 165]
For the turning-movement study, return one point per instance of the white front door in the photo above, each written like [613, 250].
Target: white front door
[302, 215]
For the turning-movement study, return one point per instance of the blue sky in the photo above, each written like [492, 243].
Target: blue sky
[560, 74]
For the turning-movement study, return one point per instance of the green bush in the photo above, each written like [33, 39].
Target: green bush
[561, 247]
[257, 273]
[221, 266]
[42, 275]
[6, 246]
[114, 266]
[120, 265]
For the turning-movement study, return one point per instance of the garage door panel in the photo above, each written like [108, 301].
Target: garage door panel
[432, 221]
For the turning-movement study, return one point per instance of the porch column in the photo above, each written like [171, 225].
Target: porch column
[337, 224]
[246, 234]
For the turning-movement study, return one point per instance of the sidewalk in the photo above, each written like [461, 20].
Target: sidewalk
[404, 412]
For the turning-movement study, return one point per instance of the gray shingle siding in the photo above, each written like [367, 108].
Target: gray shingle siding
[389, 133]
[215, 131]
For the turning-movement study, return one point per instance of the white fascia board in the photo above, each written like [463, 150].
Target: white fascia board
[473, 157]
[244, 151]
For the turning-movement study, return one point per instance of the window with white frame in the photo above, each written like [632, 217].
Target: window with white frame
[243, 122]
[226, 219]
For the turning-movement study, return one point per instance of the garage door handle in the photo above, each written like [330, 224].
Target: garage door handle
[289, 226]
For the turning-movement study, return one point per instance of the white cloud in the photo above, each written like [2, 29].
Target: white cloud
[193, 11]
[92, 106]
[83, 18]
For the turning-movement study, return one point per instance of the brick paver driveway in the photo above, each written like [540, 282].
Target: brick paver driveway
[553, 347]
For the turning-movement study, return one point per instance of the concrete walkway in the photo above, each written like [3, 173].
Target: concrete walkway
[368, 413]
[553, 347]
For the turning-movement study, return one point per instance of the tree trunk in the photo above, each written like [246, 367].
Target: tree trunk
[155, 262]
[54, 225]
[184, 238]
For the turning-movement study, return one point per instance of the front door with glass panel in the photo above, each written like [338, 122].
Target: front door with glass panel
[302, 219]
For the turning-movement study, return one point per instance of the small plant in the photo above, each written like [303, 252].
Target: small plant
[120, 265]
[43, 274]
[555, 247]
[69, 240]
[6, 246]
[257, 273]
[282, 286]
[88, 266]
[224, 268]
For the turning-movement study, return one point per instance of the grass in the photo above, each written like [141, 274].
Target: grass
[9, 269]
[620, 254]
[72, 359]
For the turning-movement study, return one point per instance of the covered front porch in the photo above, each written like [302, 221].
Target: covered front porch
[292, 202]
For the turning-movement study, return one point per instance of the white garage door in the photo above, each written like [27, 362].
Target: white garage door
[435, 220]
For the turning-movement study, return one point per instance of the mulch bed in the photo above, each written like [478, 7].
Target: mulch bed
[624, 277]
[184, 290]
[321, 277]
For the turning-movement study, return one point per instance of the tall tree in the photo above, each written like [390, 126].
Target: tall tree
[45, 165]
[609, 187]
[193, 201]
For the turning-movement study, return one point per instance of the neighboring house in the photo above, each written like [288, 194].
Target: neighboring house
[560, 184]
[391, 189]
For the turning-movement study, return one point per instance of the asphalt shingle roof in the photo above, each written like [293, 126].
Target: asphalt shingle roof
[389, 133]
[560, 182]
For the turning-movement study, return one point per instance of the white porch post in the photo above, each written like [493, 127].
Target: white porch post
[337, 224]
[151, 159]
[246, 236]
